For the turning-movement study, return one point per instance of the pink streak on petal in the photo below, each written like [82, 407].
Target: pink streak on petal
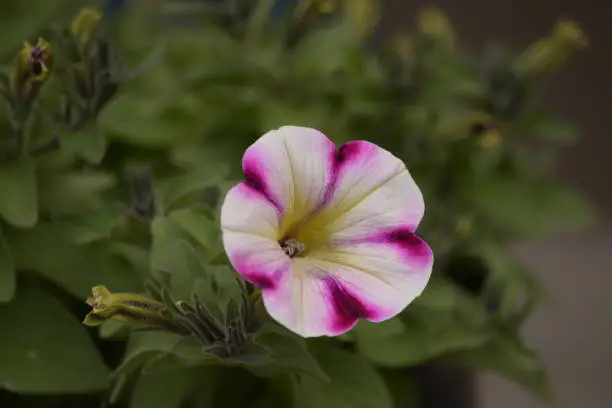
[265, 280]
[254, 176]
[413, 249]
[347, 307]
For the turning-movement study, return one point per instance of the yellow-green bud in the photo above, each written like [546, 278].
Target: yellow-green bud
[84, 25]
[325, 6]
[550, 52]
[463, 226]
[129, 308]
[402, 45]
[32, 66]
[435, 24]
[363, 14]
[490, 139]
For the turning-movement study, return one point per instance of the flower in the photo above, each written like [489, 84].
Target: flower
[326, 233]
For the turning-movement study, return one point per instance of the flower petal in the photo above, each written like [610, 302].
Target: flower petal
[291, 167]
[372, 190]
[250, 226]
[257, 259]
[311, 303]
[246, 210]
[326, 293]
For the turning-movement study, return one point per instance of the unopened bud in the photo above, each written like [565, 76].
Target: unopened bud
[85, 24]
[550, 52]
[463, 226]
[325, 6]
[363, 14]
[435, 24]
[402, 45]
[490, 139]
[129, 308]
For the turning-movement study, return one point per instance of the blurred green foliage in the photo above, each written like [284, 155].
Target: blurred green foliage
[111, 176]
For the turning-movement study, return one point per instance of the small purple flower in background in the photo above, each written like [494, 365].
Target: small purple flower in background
[327, 233]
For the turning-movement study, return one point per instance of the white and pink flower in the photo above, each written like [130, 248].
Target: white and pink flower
[327, 233]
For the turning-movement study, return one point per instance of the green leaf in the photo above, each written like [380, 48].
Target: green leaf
[421, 341]
[278, 393]
[88, 143]
[47, 351]
[8, 274]
[185, 270]
[510, 283]
[69, 193]
[354, 383]
[112, 329]
[549, 128]
[289, 354]
[75, 268]
[166, 234]
[19, 196]
[507, 355]
[174, 190]
[143, 347]
[524, 207]
[403, 387]
[441, 320]
[198, 222]
[167, 389]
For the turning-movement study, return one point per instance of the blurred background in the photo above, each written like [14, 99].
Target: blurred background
[573, 334]
[570, 329]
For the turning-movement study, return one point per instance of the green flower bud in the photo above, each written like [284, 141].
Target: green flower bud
[32, 67]
[85, 24]
[550, 52]
[129, 308]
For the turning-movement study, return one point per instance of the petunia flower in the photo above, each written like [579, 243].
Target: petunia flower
[326, 233]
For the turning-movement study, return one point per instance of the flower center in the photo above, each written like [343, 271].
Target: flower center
[292, 247]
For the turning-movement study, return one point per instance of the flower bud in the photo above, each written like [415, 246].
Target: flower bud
[490, 139]
[32, 67]
[435, 24]
[325, 6]
[364, 14]
[402, 45]
[129, 308]
[463, 226]
[550, 52]
[85, 24]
